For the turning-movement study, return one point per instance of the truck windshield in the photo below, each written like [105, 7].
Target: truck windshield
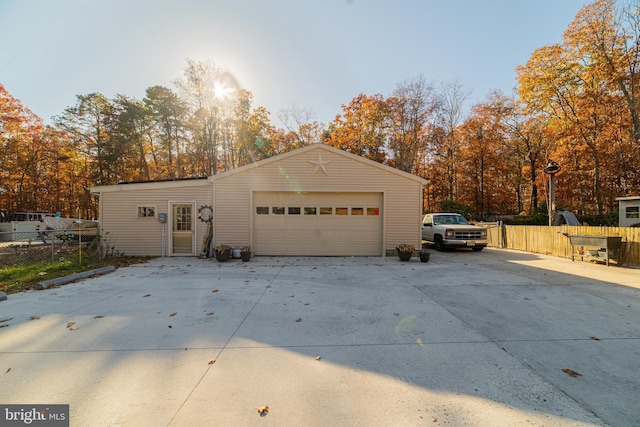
[449, 219]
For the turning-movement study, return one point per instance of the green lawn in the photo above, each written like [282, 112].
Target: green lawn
[24, 276]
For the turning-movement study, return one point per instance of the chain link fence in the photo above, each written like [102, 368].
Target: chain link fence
[46, 245]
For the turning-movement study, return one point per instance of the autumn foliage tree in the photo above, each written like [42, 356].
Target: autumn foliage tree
[576, 102]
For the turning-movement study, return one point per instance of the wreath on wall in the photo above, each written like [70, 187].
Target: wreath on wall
[205, 214]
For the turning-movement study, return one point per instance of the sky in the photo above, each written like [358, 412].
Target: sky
[315, 54]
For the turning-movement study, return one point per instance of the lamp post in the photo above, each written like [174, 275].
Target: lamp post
[551, 169]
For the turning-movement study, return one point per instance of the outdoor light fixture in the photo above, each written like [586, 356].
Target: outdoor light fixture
[551, 169]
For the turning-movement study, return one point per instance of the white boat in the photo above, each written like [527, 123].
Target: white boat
[68, 223]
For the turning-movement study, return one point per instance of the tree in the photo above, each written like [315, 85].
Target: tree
[411, 110]
[208, 92]
[451, 96]
[21, 151]
[91, 123]
[361, 129]
[299, 123]
[169, 113]
[482, 163]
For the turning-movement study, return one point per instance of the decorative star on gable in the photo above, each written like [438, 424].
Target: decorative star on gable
[319, 165]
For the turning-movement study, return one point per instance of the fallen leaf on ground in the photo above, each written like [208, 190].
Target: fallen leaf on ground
[70, 324]
[594, 338]
[299, 319]
[73, 328]
[98, 316]
[263, 410]
[8, 370]
[571, 372]
[172, 314]
[147, 295]
[212, 361]
[34, 317]
[215, 290]
[42, 273]
[6, 320]
[318, 357]
[4, 326]
[211, 313]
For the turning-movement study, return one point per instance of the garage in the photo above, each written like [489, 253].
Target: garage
[313, 201]
[318, 223]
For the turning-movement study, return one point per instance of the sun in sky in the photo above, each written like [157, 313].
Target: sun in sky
[221, 91]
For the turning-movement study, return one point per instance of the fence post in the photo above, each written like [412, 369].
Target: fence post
[53, 249]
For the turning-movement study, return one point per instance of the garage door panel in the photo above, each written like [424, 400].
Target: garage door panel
[314, 234]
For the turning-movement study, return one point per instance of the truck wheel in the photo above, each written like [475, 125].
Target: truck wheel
[439, 245]
[477, 248]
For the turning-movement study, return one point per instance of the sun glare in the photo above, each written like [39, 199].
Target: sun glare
[221, 91]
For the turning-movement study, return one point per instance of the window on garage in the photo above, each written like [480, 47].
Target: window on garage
[312, 210]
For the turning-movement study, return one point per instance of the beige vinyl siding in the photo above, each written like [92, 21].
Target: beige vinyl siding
[232, 213]
[131, 235]
[294, 173]
[231, 195]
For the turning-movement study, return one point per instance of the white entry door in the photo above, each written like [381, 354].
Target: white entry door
[182, 229]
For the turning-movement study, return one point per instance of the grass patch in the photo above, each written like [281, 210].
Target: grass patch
[22, 277]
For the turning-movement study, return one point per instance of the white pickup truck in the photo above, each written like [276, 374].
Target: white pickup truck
[452, 230]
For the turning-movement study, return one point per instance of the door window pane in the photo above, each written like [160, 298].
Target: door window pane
[182, 218]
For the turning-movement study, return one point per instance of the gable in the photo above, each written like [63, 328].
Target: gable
[319, 165]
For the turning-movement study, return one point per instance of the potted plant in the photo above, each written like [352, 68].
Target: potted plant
[424, 256]
[223, 252]
[245, 254]
[405, 251]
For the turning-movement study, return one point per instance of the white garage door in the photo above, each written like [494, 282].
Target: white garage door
[317, 224]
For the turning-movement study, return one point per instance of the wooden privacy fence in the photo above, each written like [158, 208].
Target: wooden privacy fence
[554, 241]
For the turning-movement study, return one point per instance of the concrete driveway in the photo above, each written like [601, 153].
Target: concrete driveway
[467, 339]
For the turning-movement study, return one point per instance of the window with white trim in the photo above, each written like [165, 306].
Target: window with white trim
[146, 212]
